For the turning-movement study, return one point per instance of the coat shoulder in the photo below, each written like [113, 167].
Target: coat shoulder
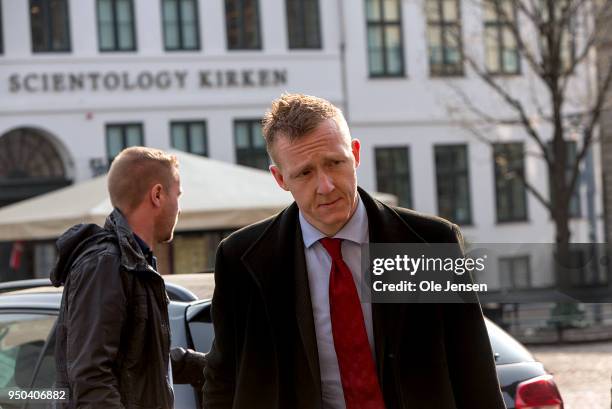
[237, 243]
[433, 229]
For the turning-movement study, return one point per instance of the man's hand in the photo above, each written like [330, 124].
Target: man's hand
[188, 366]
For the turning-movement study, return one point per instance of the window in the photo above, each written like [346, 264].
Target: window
[242, 24]
[567, 53]
[23, 341]
[453, 184]
[393, 173]
[385, 49]
[189, 137]
[444, 37]
[303, 24]
[583, 269]
[502, 56]
[116, 25]
[181, 28]
[574, 204]
[514, 272]
[50, 26]
[121, 136]
[510, 194]
[250, 144]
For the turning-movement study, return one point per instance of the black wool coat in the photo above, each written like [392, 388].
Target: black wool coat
[428, 356]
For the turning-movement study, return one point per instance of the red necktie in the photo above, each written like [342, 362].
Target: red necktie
[357, 370]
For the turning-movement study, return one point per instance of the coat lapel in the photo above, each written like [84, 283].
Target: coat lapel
[386, 226]
[303, 311]
[277, 263]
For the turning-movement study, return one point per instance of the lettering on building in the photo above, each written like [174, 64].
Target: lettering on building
[125, 81]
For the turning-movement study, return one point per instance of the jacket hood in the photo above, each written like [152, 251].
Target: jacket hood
[78, 238]
[68, 245]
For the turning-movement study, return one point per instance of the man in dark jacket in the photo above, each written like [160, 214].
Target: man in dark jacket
[290, 328]
[113, 333]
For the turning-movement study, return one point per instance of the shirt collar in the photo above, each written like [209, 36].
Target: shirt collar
[355, 230]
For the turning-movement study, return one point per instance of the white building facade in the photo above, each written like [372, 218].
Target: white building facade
[90, 77]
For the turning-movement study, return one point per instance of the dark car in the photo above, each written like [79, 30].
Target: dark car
[28, 311]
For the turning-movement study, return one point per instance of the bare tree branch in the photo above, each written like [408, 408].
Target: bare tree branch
[521, 176]
[595, 114]
[513, 23]
[598, 32]
[541, 30]
[536, 102]
[512, 102]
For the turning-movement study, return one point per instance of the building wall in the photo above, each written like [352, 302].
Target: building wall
[417, 110]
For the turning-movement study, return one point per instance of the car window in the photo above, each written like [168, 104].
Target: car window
[200, 326]
[22, 339]
[202, 335]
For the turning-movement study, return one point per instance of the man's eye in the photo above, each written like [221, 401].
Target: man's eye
[305, 173]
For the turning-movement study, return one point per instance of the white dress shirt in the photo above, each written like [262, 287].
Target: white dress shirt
[318, 266]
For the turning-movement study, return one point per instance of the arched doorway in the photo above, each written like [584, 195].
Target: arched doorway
[30, 165]
[32, 162]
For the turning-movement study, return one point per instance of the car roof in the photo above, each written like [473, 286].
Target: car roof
[31, 299]
[38, 293]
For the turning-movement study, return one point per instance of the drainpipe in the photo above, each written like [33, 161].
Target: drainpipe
[342, 49]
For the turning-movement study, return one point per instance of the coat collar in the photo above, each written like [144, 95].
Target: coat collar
[132, 257]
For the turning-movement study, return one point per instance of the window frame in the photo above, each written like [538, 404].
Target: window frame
[181, 46]
[116, 48]
[571, 31]
[445, 25]
[397, 177]
[382, 24]
[47, 25]
[123, 126]
[469, 220]
[513, 260]
[508, 188]
[187, 124]
[250, 150]
[302, 22]
[242, 46]
[498, 25]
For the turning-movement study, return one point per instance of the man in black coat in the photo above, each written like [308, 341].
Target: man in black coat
[290, 330]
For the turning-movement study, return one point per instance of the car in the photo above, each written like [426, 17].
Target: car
[29, 308]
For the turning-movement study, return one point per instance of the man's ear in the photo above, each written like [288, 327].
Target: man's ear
[278, 176]
[155, 195]
[356, 149]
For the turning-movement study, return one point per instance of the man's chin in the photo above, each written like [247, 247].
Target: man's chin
[168, 239]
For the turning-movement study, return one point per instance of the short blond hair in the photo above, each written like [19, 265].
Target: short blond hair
[135, 171]
[295, 115]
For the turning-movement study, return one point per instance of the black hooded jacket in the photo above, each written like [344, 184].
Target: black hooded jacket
[113, 333]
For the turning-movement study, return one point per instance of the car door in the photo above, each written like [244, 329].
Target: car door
[24, 351]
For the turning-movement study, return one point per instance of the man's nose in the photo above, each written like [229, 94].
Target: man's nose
[325, 184]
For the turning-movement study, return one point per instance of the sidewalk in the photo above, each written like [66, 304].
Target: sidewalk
[583, 372]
